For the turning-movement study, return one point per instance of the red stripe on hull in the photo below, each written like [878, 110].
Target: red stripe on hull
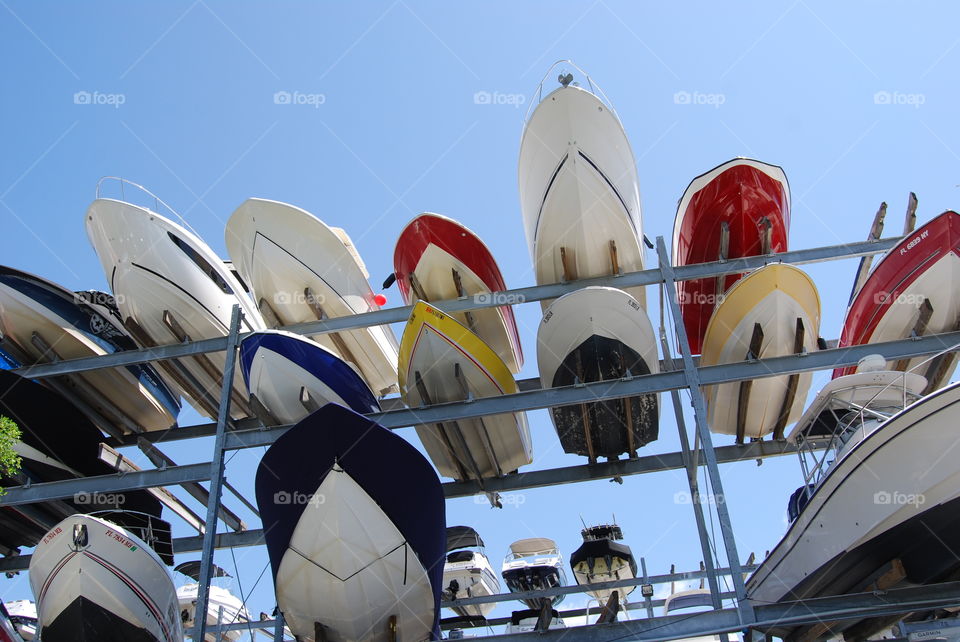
[894, 274]
[460, 243]
[740, 196]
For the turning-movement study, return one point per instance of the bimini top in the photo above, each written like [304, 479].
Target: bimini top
[533, 546]
[462, 537]
[879, 390]
[192, 570]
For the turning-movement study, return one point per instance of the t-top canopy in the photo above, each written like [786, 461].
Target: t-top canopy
[462, 537]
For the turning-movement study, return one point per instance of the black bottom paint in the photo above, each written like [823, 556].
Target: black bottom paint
[85, 621]
[602, 359]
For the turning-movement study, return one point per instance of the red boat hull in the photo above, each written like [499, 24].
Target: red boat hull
[741, 192]
[889, 285]
[461, 244]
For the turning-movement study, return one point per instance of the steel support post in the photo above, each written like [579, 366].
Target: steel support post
[216, 476]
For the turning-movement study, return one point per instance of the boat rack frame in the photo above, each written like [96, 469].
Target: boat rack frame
[676, 374]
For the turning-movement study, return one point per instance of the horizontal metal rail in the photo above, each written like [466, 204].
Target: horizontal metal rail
[507, 297]
[620, 388]
[779, 615]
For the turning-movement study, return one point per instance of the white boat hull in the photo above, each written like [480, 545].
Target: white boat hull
[158, 281]
[233, 611]
[346, 552]
[282, 251]
[108, 575]
[893, 476]
[474, 579]
[579, 190]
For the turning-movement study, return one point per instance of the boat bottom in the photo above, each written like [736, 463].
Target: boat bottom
[924, 545]
[521, 580]
[85, 621]
[616, 426]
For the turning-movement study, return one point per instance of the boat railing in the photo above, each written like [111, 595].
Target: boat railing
[152, 530]
[594, 88]
[158, 203]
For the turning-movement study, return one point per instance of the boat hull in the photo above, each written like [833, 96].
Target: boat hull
[233, 612]
[433, 247]
[579, 190]
[436, 347]
[604, 561]
[594, 334]
[894, 496]
[169, 284]
[131, 399]
[348, 548]
[282, 251]
[925, 266]
[278, 367]
[473, 578]
[775, 297]
[104, 584]
[740, 194]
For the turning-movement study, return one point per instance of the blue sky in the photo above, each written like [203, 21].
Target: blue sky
[180, 97]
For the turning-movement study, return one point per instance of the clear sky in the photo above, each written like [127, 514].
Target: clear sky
[180, 97]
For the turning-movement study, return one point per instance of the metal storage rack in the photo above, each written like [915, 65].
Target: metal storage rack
[676, 374]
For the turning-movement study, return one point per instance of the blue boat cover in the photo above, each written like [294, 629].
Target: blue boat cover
[391, 471]
[321, 363]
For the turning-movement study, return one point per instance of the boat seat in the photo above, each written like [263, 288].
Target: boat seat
[798, 500]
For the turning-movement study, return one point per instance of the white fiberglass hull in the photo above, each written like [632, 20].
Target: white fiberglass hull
[474, 578]
[217, 598]
[283, 252]
[171, 285]
[898, 475]
[93, 580]
[579, 190]
[346, 553]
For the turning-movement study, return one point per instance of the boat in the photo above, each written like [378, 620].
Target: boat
[467, 572]
[602, 558]
[302, 270]
[912, 291]
[57, 442]
[22, 617]
[353, 558]
[438, 259]
[534, 564]
[525, 621]
[774, 311]
[443, 361]
[738, 209]
[690, 601]
[579, 192]
[597, 334]
[223, 607]
[41, 322]
[95, 580]
[171, 287]
[880, 503]
[289, 376]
